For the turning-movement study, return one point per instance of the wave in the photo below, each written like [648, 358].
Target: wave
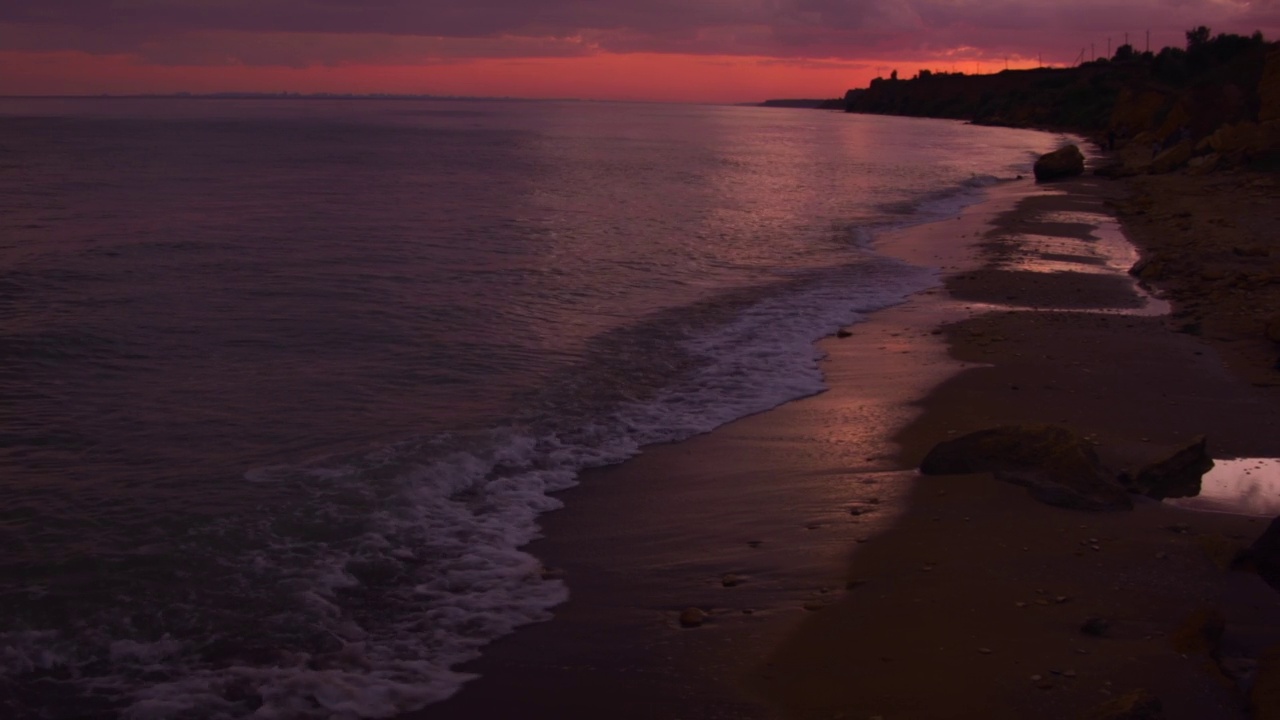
[386, 570]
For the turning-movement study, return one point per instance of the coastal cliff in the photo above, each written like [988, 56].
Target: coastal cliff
[1214, 104]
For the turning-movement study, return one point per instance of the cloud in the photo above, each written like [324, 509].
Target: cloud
[297, 33]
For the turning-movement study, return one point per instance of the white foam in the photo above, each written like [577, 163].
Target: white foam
[394, 567]
[28, 651]
[143, 652]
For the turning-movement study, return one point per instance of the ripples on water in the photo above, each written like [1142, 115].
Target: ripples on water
[286, 384]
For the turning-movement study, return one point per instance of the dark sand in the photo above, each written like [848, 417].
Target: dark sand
[936, 597]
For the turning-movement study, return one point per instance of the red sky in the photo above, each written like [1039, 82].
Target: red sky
[676, 50]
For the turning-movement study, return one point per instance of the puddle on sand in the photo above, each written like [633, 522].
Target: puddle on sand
[1244, 486]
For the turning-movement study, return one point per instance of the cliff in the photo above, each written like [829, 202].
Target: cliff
[1220, 96]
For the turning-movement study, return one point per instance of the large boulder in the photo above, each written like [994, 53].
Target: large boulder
[1263, 556]
[1234, 138]
[1246, 138]
[1175, 121]
[1057, 466]
[1172, 159]
[1064, 163]
[1175, 476]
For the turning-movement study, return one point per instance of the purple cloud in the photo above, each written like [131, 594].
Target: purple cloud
[302, 32]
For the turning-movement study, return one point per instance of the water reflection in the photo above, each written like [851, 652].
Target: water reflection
[1245, 486]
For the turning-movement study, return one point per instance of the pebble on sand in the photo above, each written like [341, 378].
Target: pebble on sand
[1095, 626]
[692, 617]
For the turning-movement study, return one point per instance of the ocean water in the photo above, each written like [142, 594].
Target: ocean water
[285, 384]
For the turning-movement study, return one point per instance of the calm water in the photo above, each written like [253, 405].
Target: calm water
[285, 384]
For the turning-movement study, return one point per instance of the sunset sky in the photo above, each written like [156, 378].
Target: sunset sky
[674, 50]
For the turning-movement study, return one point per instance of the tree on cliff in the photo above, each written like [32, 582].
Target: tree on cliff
[1197, 38]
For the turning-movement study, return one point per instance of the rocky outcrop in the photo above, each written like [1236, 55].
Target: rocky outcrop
[1269, 88]
[1063, 163]
[1137, 111]
[1244, 138]
[1172, 159]
[1139, 105]
[1263, 556]
[1057, 466]
[1175, 476]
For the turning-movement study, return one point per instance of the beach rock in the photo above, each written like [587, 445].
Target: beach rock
[1205, 164]
[1136, 705]
[1175, 476]
[1172, 159]
[1057, 466]
[1137, 153]
[1064, 163]
[1263, 556]
[1177, 119]
[1149, 268]
[1095, 626]
[1235, 138]
[1116, 170]
[692, 617]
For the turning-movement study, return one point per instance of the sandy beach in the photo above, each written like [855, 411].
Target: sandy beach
[832, 580]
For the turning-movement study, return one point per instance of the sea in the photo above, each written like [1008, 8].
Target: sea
[285, 384]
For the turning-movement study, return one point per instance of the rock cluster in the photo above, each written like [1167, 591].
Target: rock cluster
[1202, 130]
[1059, 467]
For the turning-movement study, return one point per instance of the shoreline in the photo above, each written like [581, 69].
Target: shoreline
[765, 498]
[752, 523]
[979, 595]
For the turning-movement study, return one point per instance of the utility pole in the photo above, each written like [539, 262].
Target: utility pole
[1108, 46]
[1148, 41]
[1093, 53]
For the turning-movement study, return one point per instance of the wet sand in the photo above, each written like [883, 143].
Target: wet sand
[839, 583]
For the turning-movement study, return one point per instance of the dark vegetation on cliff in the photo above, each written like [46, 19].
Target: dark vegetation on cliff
[1214, 81]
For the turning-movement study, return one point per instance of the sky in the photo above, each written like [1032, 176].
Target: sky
[656, 50]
